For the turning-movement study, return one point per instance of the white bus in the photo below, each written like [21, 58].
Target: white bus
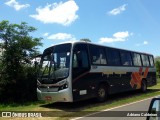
[80, 70]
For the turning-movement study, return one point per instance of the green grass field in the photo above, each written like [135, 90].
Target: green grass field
[59, 110]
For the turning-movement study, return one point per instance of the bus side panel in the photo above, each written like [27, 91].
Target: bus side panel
[151, 79]
[84, 86]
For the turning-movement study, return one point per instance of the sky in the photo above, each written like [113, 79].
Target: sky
[127, 24]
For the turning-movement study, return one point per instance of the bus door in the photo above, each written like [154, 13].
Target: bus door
[80, 71]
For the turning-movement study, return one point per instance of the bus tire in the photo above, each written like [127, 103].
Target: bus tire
[101, 93]
[143, 86]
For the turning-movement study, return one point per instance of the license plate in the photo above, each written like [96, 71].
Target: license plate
[48, 98]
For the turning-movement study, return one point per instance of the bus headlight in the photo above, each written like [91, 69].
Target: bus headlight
[64, 86]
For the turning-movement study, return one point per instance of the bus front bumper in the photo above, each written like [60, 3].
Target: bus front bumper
[60, 96]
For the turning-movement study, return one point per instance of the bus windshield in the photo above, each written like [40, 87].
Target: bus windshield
[55, 64]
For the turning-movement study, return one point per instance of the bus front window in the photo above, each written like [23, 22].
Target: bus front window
[55, 64]
[60, 65]
[44, 69]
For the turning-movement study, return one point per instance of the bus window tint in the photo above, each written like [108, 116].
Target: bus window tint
[97, 55]
[113, 57]
[136, 59]
[126, 58]
[80, 62]
[80, 57]
[145, 60]
[151, 61]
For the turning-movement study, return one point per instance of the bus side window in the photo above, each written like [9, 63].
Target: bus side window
[145, 60]
[80, 56]
[80, 59]
[136, 59]
[151, 61]
[113, 57]
[126, 58]
[97, 55]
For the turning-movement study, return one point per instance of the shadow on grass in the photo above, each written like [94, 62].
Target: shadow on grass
[85, 104]
[13, 104]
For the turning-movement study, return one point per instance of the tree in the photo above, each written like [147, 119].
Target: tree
[19, 46]
[158, 67]
[157, 63]
[85, 39]
[157, 58]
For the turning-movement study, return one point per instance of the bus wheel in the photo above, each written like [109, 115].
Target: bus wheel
[101, 93]
[143, 86]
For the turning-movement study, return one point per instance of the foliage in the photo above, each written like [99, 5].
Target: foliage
[18, 47]
[157, 62]
[86, 40]
[157, 58]
[22, 89]
[158, 67]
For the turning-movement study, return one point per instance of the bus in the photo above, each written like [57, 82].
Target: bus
[75, 71]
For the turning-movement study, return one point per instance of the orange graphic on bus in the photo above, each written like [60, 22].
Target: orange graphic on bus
[137, 77]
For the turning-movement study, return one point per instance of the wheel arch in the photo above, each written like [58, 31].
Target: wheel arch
[106, 84]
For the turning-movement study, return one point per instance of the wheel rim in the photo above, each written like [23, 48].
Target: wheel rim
[101, 93]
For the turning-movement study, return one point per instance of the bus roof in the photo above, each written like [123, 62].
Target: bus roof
[75, 42]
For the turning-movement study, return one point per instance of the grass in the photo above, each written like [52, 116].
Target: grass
[82, 107]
